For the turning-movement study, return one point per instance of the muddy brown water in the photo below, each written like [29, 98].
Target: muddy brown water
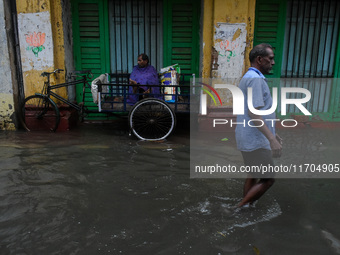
[95, 190]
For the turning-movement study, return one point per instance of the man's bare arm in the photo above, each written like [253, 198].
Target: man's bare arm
[275, 145]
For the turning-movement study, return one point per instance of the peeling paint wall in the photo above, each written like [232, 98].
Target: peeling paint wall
[68, 43]
[228, 28]
[36, 44]
[229, 48]
[230, 45]
[6, 90]
[207, 34]
[41, 37]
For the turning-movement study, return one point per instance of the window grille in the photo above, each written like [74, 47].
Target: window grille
[135, 27]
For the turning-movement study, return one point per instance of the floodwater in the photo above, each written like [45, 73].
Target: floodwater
[95, 190]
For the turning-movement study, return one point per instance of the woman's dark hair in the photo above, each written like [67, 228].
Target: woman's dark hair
[144, 57]
[259, 50]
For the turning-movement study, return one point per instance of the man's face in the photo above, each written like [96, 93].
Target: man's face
[266, 63]
[142, 63]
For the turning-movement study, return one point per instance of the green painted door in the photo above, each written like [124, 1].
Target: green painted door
[306, 42]
[91, 41]
[92, 37]
[181, 34]
[270, 17]
[335, 109]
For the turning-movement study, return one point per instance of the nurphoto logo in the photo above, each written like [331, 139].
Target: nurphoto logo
[239, 102]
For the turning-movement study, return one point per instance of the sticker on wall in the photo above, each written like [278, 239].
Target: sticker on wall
[36, 45]
[230, 45]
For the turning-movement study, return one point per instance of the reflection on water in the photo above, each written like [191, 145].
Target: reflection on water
[97, 191]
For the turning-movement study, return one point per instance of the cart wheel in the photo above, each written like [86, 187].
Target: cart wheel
[152, 119]
[40, 113]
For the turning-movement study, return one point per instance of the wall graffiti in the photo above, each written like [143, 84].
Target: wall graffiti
[35, 42]
[230, 43]
[229, 49]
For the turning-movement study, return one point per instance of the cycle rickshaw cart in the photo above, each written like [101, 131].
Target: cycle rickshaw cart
[152, 117]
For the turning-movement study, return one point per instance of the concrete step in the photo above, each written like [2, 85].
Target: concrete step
[68, 119]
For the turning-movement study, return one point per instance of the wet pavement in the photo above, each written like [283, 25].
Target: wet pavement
[95, 190]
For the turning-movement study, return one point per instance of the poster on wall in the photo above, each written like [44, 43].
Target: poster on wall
[36, 45]
[230, 45]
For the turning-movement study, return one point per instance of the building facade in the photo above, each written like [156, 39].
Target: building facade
[210, 38]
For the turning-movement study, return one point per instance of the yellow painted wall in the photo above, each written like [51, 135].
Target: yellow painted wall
[7, 88]
[208, 35]
[58, 36]
[33, 82]
[229, 11]
[225, 11]
[6, 112]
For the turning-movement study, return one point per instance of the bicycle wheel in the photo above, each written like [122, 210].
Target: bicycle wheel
[152, 119]
[40, 113]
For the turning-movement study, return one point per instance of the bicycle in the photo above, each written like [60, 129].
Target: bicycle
[41, 112]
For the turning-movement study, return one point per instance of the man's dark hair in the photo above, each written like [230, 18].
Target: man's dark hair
[144, 57]
[259, 50]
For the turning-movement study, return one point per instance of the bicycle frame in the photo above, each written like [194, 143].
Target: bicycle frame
[62, 99]
[47, 90]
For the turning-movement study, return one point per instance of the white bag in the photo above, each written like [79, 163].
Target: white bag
[102, 79]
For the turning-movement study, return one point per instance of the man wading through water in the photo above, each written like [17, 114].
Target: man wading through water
[258, 145]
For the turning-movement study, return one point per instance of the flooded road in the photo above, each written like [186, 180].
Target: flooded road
[95, 190]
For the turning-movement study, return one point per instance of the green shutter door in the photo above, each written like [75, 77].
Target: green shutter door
[335, 103]
[181, 34]
[270, 17]
[336, 100]
[91, 41]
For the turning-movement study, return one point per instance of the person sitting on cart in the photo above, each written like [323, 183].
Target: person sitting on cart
[143, 75]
